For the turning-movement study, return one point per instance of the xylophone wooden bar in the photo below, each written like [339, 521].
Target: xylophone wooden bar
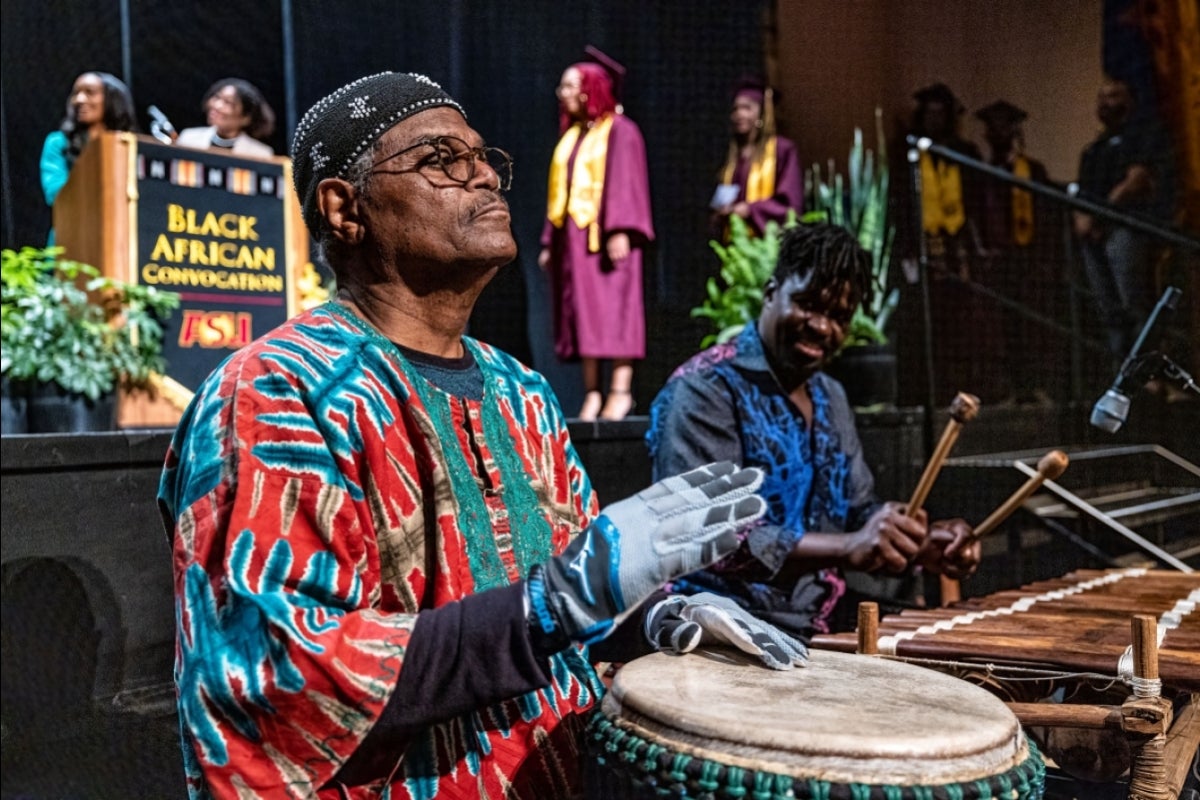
[1079, 622]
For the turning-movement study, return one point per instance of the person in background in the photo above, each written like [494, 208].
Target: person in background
[763, 400]
[1129, 167]
[762, 178]
[597, 226]
[1020, 260]
[239, 120]
[391, 571]
[964, 324]
[98, 102]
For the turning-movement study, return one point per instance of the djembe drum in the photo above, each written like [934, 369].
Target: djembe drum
[846, 727]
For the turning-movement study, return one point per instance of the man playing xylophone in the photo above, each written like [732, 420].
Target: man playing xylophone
[762, 400]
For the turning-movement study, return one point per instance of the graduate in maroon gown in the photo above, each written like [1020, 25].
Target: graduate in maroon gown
[597, 226]
[761, 178]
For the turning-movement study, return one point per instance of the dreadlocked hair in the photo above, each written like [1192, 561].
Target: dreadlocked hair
[831, 255]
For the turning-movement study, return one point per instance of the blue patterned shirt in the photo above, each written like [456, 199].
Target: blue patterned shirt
[725, 403]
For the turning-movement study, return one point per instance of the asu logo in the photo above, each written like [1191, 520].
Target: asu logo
[213, 329]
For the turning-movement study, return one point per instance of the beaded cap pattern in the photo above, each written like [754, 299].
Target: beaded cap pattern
[340, 127]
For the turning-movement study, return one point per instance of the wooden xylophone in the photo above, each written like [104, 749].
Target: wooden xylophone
[1079, 622]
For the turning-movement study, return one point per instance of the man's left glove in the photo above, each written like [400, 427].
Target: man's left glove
[681, 623]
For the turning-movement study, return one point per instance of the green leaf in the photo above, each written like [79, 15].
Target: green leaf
[65, 323]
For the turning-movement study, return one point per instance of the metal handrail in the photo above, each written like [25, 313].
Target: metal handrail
[1156, 229]
[1105, 519]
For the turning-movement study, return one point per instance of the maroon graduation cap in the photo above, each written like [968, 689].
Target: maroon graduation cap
[751, 84]
[1001, 112]
[614, 68]
[939, 93]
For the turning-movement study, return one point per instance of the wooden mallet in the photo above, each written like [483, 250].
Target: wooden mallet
[1049, 467]
[963, 409]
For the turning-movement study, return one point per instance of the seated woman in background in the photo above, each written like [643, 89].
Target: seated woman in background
[239, 117]
[98, 102]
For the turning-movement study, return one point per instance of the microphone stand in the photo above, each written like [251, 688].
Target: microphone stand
[1178, 374]
[1112, 408]
[917, 222]
[1168, 301]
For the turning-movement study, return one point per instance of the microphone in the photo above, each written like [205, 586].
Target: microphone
[1112, 408]
[161, 127]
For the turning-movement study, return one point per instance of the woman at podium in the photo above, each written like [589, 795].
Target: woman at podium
[239, 118]
[98, 102]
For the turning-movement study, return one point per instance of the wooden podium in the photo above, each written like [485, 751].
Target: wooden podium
[226, 232]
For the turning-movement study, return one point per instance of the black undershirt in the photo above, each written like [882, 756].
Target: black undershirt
[459, 377]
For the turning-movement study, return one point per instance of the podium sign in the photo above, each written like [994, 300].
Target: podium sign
[223, 231]
[211, 227]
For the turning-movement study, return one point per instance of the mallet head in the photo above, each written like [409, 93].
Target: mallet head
[1052, 465]
[964, 407]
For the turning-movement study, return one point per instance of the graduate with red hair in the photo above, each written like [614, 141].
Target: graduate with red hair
[597, 225]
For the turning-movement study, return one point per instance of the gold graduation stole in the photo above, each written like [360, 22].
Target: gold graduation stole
[941, 196]
[1022, 205]
[760, 183]
[587, 179]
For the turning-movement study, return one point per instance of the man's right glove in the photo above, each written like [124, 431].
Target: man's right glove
[681, 623]
[677, 526]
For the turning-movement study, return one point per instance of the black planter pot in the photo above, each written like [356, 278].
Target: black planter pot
[55, 410]
[14, 401]
[868, 372]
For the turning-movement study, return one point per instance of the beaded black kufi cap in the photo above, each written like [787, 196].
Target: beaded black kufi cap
[340, 128]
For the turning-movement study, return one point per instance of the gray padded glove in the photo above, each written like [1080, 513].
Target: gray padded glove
[677, 526]
[681, 623]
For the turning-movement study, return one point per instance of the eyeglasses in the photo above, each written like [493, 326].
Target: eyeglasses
[457, 160]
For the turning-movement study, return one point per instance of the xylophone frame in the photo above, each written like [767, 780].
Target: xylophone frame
[1163, 743]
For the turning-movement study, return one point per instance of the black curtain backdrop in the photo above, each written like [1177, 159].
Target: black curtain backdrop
[502, 60]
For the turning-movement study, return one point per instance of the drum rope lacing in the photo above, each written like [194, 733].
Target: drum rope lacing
[626, 758]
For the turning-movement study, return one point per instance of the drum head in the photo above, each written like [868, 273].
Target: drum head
[843, 718]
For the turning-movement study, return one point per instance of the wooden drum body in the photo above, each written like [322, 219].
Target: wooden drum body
[846, 726]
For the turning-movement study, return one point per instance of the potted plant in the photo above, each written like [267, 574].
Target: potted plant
[71, 337]
[866, 363]
[746, 264]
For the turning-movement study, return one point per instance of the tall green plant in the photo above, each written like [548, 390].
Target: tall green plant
[63, 323]
[746, 264]
[859, 202]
